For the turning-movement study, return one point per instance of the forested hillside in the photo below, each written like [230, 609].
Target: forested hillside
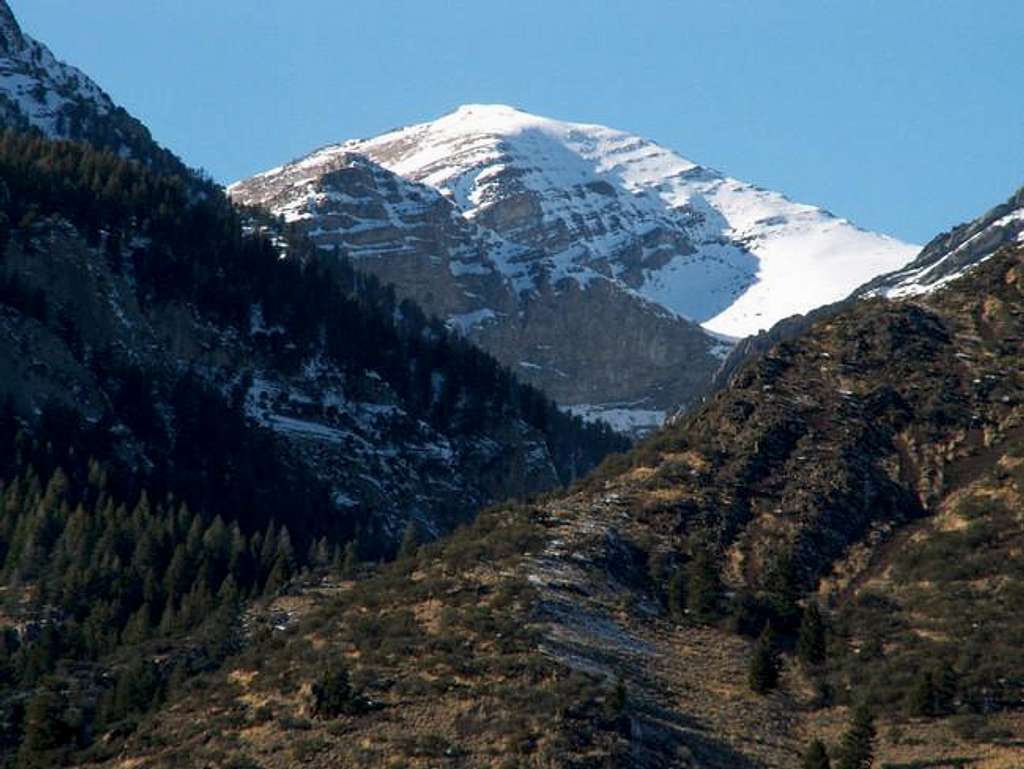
[174, 373]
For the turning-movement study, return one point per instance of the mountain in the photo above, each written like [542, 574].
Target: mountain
[223, 449]
[197, 406]
[946, 258]
[111, 286]
[577, 230]
[38, 92]
[953, 253]
[179, 399]
[857, 489]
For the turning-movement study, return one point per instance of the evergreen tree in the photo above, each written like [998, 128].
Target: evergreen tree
[410, 542]
[139, 626]
[946, 685]
[677, 594]
[45, 730]
[615, 705]
[857, 750]
[350, 560]
[816, 756]
[168, 620]
[922, 695]
[703, 588]
[782, 592]
[811, 644]
[765, 664]
[333, 695]
[933, 694]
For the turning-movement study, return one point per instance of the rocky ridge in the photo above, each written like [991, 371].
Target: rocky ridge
[576, 230]
[39, 92]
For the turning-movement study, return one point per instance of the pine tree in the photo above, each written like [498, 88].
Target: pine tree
[765, 664]
[617, 700]
[922, 695]
[138, 627]
[319, 553]
[168, 620]
[858, 746]
[410, 542]
[816, 756]
[333, 695]
[810, 645]
[946, 685]
[781, 585]
[176, 581]
[45, 730]
[677, 594]
[350, 560]
[703, 588]
[278, 577]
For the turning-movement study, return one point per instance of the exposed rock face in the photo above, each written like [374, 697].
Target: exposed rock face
[38, 92]
[593, 344]
[583, 342]
[559, 212]
[367, 449]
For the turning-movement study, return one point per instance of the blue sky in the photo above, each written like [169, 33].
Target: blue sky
[905, 116]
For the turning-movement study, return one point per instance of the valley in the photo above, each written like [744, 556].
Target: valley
[492, 442]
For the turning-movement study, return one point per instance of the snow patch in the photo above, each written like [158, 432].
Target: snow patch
[623, 418]
[466, 322]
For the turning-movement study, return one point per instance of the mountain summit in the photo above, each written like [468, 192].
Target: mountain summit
[602, 202]
[606, 269]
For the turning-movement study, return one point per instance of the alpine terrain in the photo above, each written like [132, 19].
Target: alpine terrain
[608, 270]
[195, 406]
[819, 566]
[278, 487]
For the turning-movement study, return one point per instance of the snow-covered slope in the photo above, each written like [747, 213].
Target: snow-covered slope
[39, 92]
[602, 202]
[953, 253]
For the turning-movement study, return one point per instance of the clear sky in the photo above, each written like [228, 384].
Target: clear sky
[906, 116]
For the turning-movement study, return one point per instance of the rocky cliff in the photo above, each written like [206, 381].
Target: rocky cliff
[597, 263]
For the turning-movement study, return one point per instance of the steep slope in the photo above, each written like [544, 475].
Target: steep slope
[39, 92]
[946, 258]
[190, 419]
[101, 285]
[586, 210]
[871, 464]
[954, 253]
[410, 235]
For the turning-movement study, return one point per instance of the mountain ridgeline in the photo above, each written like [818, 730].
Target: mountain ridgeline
[175, 274]
[605, 268]
[40, 93]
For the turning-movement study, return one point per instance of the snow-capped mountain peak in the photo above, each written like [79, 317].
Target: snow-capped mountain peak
[603, 202]
[583, 256]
